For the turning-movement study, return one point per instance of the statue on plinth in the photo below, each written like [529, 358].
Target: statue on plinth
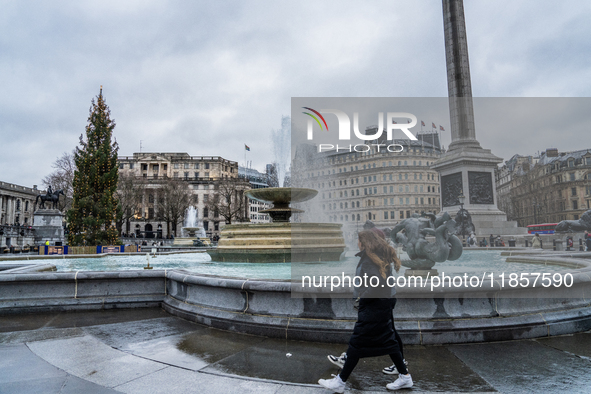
[50, 196]
[571, 226]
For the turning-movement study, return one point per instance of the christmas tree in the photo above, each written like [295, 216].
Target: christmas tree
[94, 205]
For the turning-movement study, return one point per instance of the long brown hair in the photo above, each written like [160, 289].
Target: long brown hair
[379, 251]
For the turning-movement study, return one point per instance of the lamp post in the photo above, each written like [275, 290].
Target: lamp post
[462, 199]
[537, 211]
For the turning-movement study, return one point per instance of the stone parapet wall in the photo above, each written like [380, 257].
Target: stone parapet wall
[269, 308]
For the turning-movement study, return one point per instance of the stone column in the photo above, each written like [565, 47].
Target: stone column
[466, 168]
[458, 76]
[9, 213]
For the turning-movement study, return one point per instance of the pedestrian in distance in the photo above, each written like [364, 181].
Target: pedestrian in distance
[588, 241]
[373, 334]
[536, 242]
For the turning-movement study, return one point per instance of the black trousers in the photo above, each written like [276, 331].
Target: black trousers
[396, 357]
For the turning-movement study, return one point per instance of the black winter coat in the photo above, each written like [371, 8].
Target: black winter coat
[373, 334]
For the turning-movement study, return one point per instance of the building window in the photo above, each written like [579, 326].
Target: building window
[572, 176]
[196, 166]
[131, 166]
[205, 210]
[207, 174]
[575, 204]
[196, 175]
[186, 175]
[144, 167]
[186, 166]
[207, 166]
[573, 191]
[175, 166]
[121, 166]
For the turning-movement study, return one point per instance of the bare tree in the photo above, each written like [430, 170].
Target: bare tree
[62, 178]
[129, 199]
[229, 200]
[174, 198]
[272, 176]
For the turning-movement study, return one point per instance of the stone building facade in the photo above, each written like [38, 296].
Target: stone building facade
[376, 185]
[17, 204]
[517, 165]
[202, 174]
[257, 180]
[556, 187]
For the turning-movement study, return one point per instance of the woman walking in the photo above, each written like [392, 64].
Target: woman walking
[374, 333]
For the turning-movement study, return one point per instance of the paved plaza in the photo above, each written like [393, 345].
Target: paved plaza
[150, 351]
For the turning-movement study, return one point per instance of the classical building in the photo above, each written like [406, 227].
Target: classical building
[555, 187]
[203, 174]
[17, 204]
[517, 165]
[376, 185]
[257, 180]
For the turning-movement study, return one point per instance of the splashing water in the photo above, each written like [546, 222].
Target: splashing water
[192, 221]
[282, 148]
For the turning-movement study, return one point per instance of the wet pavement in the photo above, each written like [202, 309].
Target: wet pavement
[150, 351]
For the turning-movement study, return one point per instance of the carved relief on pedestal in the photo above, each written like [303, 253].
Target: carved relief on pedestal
[451, 188]
[480, 187]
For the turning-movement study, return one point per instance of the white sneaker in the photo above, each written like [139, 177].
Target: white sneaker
[391, 370]
[403, 382]
[338, 361]
[335, 384]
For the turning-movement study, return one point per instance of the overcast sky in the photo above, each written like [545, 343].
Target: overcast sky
[207, 77]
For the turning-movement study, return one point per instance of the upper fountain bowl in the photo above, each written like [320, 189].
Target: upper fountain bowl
[282, 195]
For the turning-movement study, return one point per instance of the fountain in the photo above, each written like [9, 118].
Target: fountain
[191, 230]
[280, 241]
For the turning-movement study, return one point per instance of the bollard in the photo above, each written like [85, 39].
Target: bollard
[581, 245]
[526, 243]
[553, 244]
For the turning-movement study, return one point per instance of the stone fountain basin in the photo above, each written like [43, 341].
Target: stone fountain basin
[269, 307]
[282, 195]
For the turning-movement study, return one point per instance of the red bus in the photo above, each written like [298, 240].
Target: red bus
[544, 228]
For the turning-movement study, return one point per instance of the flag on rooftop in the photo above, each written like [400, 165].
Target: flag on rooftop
[422, 123]
[441, 128]
[246, 147]
[433, 125]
